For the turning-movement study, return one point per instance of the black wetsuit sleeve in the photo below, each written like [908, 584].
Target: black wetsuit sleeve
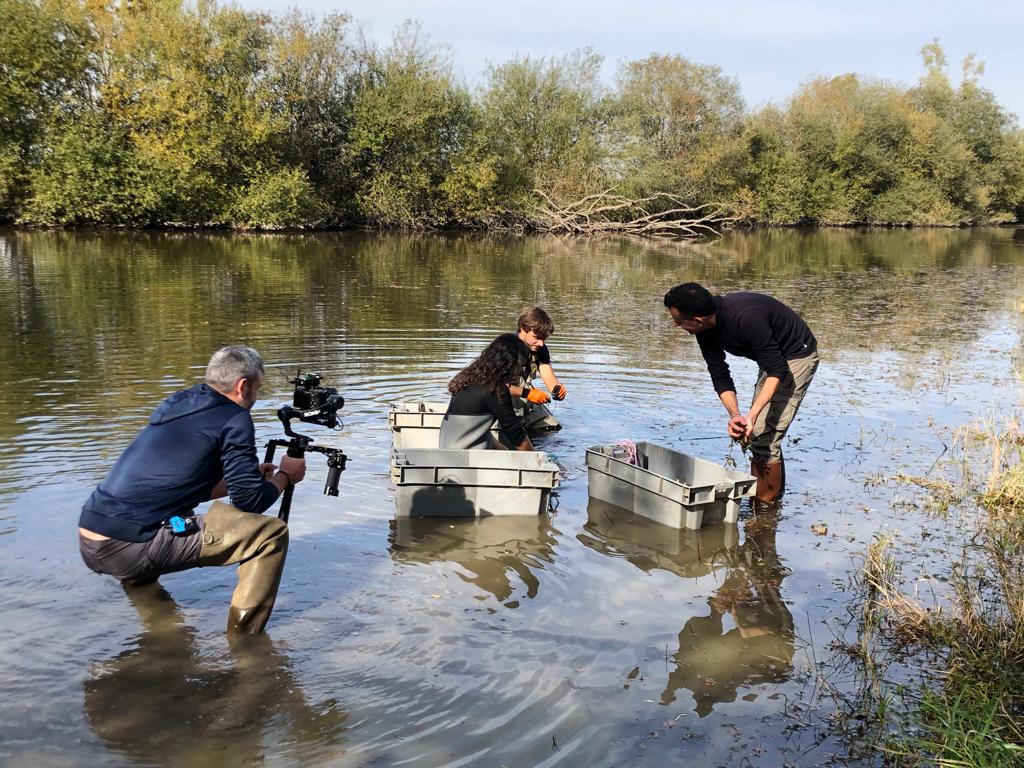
[714, 356]
[510, 424]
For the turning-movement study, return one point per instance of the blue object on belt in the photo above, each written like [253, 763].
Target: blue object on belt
[182, 526]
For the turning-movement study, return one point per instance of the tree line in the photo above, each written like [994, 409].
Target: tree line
[184, 114]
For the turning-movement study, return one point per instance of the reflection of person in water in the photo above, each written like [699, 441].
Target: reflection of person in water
[714, 663]
[491, 549]
[166, 703]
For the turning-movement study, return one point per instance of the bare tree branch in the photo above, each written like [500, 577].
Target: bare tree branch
[605, 213]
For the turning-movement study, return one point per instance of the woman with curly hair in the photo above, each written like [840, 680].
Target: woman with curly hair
[480, 395]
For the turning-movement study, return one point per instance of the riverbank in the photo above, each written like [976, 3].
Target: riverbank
[503, 230]
[943, 669]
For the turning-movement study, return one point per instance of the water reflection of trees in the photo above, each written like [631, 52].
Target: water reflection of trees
[747, 637]
[496, 553]
[111, 307]
[167, 702]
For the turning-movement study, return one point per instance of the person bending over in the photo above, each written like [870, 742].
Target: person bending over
[768, 332]
[533, 329]
[480, 395]
[200, 444]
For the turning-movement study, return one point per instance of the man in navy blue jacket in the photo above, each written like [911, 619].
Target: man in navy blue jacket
[200, 444]
[771, 334]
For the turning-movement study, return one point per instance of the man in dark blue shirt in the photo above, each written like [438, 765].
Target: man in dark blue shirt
[200, 444]
[771, 334]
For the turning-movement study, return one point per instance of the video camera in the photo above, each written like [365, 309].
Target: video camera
[311, 404]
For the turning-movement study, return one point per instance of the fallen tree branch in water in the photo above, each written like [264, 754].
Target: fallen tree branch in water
[606, 213]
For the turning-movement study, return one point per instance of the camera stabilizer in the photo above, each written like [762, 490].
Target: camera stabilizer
[312, 404]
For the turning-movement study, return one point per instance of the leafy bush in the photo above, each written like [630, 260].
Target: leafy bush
[89, 176]
[281, 199]
[188, 114]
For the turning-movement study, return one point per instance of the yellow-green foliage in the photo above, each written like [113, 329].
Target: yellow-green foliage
[541, 120]
[281, 199]
[848, 150]
[42, 64]
[186, 113]
[679, 125]
[412, 139]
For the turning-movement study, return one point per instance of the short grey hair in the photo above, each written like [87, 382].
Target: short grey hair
[229, 364]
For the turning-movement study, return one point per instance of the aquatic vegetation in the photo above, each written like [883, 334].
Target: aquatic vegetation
[965, 703]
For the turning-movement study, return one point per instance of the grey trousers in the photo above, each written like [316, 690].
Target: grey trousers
[132, 561]
[258, 544]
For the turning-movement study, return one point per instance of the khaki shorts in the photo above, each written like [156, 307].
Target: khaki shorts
[774, 420]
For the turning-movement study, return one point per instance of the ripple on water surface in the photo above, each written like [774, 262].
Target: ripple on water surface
[577, 637]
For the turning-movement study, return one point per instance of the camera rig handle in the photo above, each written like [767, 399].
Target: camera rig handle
[298, 446]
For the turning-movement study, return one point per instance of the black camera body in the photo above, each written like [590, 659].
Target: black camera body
[315, 404]
[311, 404]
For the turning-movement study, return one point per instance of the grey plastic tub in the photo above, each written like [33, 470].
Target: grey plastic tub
[439, 483]
[667, 486]
[418, 425]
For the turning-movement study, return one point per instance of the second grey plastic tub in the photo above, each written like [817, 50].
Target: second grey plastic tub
[667, 486]
[440, 483]
[418, 425]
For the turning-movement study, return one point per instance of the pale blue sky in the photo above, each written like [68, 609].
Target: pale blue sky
[770, 47]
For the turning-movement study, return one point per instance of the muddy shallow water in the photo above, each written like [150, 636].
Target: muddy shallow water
[578, 637]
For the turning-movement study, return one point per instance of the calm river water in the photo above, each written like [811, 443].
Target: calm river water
[576, 638]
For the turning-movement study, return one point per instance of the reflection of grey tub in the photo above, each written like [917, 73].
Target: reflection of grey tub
[667, 486]
[649, 546]
[747, 638]
[493, 551]
[445, 483]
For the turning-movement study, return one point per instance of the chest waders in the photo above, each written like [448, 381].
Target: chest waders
[536, 417]
[259, 544]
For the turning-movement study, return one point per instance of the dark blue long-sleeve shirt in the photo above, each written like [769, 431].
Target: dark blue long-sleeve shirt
[194, 438]
[756, 327]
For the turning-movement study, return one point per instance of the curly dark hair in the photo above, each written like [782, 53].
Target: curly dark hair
[499, 365]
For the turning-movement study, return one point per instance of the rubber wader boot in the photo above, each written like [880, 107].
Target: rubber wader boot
[538, 418]
[771, 479]
[258, 544]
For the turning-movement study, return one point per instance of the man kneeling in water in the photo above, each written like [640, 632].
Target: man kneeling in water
[200, 444]
[534, 326]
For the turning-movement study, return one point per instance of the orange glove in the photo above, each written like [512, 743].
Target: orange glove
[537, 396]
[559, 392]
